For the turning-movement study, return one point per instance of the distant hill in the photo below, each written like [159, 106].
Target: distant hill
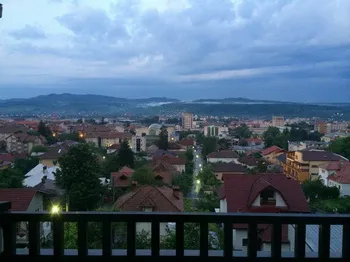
[93, 105]
[236, 100]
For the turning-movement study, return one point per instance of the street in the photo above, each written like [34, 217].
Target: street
[198, 162]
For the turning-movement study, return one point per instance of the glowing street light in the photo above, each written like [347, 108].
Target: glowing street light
[198, 181]
[200, 165]
[197, 156]
[55, 209]
[104, 157]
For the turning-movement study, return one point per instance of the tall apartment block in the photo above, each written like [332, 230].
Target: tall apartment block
[187, 120]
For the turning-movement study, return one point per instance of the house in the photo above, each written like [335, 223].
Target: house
[281, 159]
[23, 143]
[270, 154]
[122, 177]
[138, 144]
[54, 152]
[151, 199]
[8, 129]
[329, 168]
[249, 161]
[223, 168]
[179, 163]
[187, 142]
[254, 141]
[38, 173]
[106, 139]
[226, 156]
[23, 199]
[301, 145]
[113, 148]
[164, 171]
[303, 165]
[341, 179]
[262, 193]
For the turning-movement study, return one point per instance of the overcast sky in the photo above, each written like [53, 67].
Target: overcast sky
[297, 50]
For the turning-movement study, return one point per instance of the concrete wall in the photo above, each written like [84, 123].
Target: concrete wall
[343, 188]
[37, 204]
[223, 205]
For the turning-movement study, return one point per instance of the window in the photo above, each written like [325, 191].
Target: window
[267, 197]
[148, 209]
[314, 166]
[245, 242]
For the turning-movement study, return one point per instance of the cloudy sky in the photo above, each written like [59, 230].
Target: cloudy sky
[296, 50]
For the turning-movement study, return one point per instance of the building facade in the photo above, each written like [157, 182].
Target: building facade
[278, 121]
[187, 120]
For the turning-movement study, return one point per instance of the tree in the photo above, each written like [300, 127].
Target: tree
[242, 131]
[209, 146]
[163, 139]
[72, 136]
[208, 178]
[11, 178]
[315, 189]
[341, 146]
[45, 131]
[38, 149]
[223, 144]
[110, 164]
[189, 155]
[24, 165]
[126, 155]
[79, 177]
[145, 176]
[243, 142]
[184, 181]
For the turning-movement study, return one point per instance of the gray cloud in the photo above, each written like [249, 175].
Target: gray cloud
[286, 41]
[28, 32]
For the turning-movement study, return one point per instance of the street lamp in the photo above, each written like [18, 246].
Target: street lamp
[55, 209]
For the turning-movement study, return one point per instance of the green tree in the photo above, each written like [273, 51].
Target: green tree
[208, 178]
[11, 178]
[209, 146]
[341, 146]
[24, 165]
[184, 181]
[189, 155]
[79, 177]
[72, 137]
[110, 164]
[126, 155]
[145, 176]
[38, 149]
[163, 139]
[223, 144]
[242, 131]
[316, 190]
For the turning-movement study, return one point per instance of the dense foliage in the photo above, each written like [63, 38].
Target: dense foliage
[163, 139]
[341, 146]
[242, 131]
[209, 146]
[79, 177]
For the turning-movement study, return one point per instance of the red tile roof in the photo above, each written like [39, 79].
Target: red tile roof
[342, 176]
[332, 165]
[109, 135]
[256, 141]
[122, 178]
[241, 190]
[187, 142]
[321, 156]
[20, 198]
[223, 154]
[164, 171]
[161, 199]
[228, 167]
[173, 160]
[271, 149]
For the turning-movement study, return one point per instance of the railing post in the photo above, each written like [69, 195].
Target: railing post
[4, 207]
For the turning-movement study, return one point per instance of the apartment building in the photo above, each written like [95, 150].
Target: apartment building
[278, 121]
[23, 143]
[138, 144]
[304, 165]
[187, 120]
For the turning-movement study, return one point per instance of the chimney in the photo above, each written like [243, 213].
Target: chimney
[133, 184]
[44, 169]
[176, 192]
[43, 180]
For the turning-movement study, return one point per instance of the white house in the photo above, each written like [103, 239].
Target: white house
[270, 193]
[226, 156]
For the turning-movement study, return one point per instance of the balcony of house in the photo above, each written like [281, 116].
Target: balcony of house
[299, 250]
[298, 172]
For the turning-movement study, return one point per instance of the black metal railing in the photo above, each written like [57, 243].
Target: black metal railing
[9, 220]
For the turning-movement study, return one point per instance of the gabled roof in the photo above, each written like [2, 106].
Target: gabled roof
[34, 176]
[228, 167]
[187, 141]
[332, 165]
[163, 199]
[122, 177]
[249, 160]
[241, 190]
[20, 198]
[173, 160]
[321, 156]
[223, 154]
[271, 149]
[342, 176]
